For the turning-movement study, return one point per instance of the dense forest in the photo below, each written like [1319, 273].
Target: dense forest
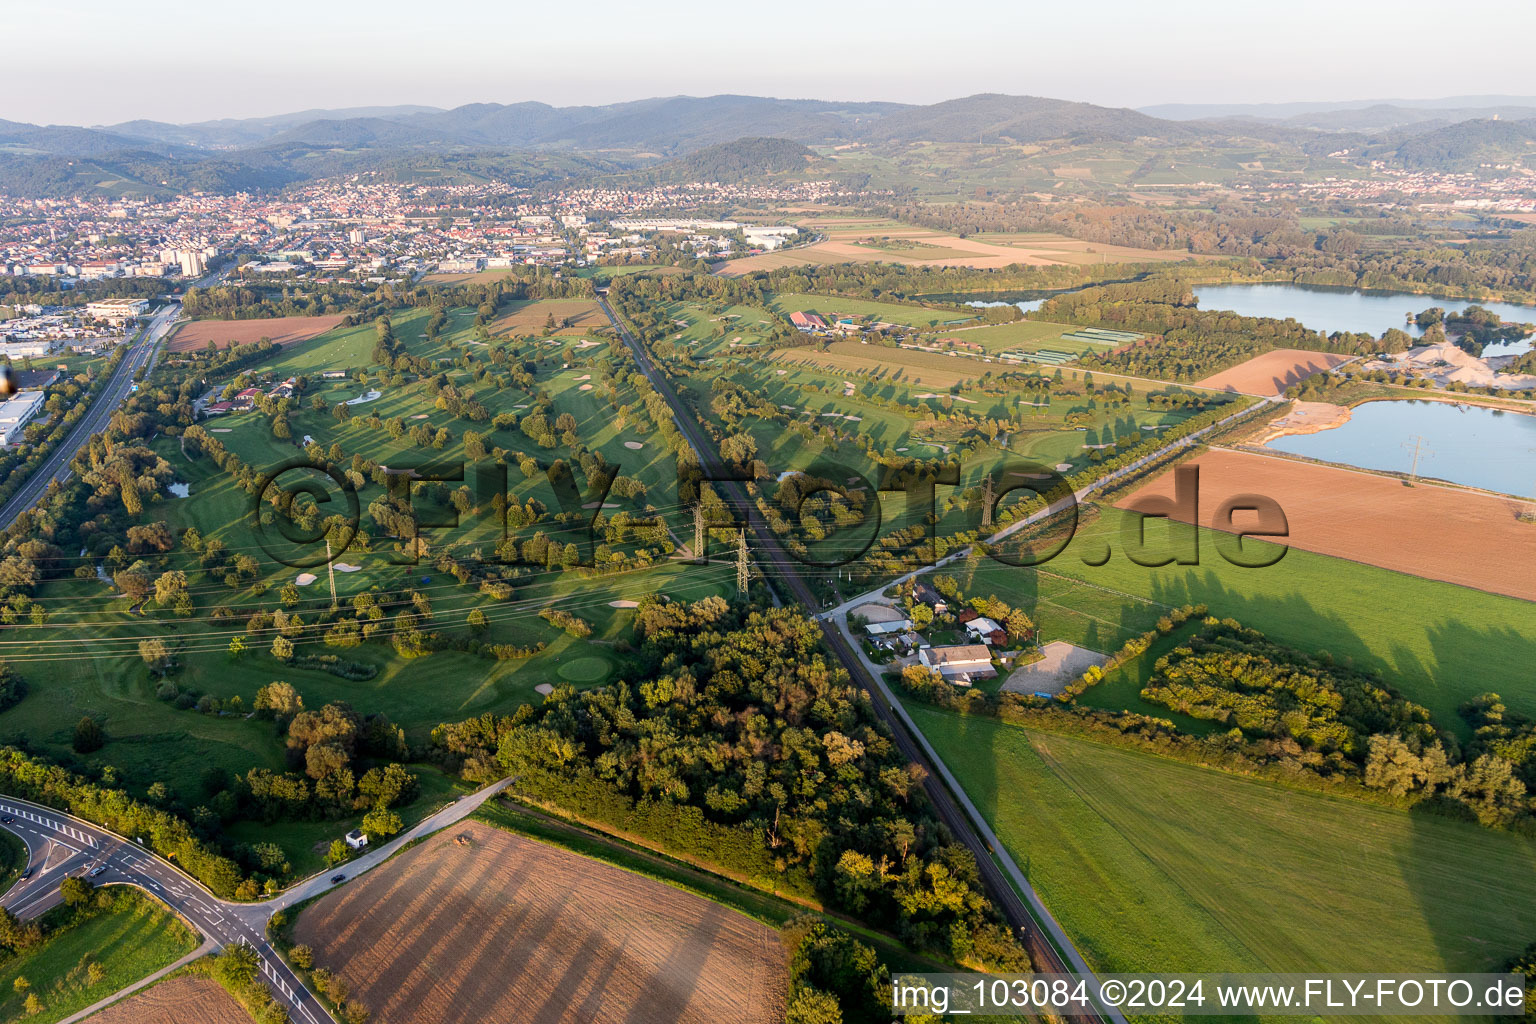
[745, 747]
[1190, 343]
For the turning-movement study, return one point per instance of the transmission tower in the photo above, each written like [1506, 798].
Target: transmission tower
[699, 539]
[986, 505]
[743, 570]
[330, 570]
[1419, 449]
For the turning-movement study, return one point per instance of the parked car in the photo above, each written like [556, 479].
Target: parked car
[337, 879]
[98, 869]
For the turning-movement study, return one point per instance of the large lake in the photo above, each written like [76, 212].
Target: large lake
[1465, 444]
[1348, 309]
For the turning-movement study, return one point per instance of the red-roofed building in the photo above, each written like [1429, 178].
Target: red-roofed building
[810, 323]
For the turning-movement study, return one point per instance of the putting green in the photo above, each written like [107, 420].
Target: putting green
[585, 669]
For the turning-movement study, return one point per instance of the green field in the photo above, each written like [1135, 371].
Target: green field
[833, 306]
[84, 659]
[1020, 335]
[713, 330]
[133, 939]
[1438, 643]
[1155, 865]
[305, 843]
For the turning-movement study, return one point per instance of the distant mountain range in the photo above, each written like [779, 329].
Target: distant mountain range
[541, 142]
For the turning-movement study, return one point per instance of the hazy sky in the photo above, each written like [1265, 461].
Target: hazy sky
[103, 61]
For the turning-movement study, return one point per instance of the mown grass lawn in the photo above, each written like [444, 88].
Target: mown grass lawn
[133, 939]
[1154, 865]
[85, 660]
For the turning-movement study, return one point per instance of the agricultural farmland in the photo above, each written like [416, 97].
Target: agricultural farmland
[194, 335]
[1273, 372]
[534, 316]
[862, 240]
[1440, 533]
[906, 365]
[500, 927]
[176, 1000]
[1155, 865]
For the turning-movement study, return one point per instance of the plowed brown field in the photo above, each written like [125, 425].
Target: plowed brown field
[180, 1000]
[282, 330]
[1273, 372]
[1440, 533]
[506, 929]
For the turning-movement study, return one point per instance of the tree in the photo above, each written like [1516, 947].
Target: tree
[381, 824]
[476, 619]
[238, 964]
[33, 1005]
[89, 736]
[338, 853]
[282, 648]
[813, 1006]
[76, 891]
[278, 700]
[237, 648]
[169, 587]
[155, 654]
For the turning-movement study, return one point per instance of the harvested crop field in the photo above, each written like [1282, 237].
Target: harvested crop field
[503, 928]
[850, 240]
[1273, 372]
[176, 1001]
[531, 317]
[282, 330]
[897, 364]
[1439, 533]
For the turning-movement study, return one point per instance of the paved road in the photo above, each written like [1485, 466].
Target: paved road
[59, 845]
[141, 354]
[62, 846]
[1040, 933]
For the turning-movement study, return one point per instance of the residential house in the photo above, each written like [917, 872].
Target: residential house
[961, 664]
[925, 593]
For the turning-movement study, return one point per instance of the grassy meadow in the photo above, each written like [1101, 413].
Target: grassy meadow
[134, 938]
[1155, 865]
[1437, 643]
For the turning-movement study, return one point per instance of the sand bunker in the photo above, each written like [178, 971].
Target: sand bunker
[370, 395]
[544, 688]
[585, 387]
[585, 376]
[344, 567]
[623, 604]
[633, 446]
[304, 579]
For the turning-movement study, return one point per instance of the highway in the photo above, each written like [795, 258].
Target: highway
[59, 845]
[1041, 935]
[140, 355]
